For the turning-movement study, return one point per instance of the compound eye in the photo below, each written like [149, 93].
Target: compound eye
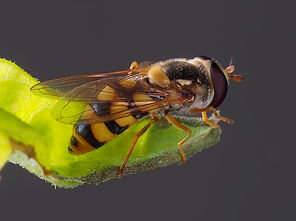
[220, 84]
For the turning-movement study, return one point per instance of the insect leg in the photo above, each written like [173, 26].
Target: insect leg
[205, 116]
[207, 121]
[217, 115]
[133, 144]
[176, 123]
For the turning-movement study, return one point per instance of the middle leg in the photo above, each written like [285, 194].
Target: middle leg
[176, 123]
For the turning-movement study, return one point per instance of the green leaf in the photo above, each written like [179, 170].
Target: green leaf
[40, 143]
[5, 149]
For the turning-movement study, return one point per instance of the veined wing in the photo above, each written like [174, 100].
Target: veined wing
[61, 86]
[106, 96]
[110, 99]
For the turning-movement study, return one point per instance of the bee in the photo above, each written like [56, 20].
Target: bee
[103, 105]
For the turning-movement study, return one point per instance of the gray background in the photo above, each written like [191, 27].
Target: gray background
[249, 175]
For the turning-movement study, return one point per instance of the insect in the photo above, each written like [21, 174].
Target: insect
[103, 105]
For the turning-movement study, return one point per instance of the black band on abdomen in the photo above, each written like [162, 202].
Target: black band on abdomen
[85, 132]
[114, 127]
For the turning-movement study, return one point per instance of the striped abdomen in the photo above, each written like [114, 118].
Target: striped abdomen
[89, 137]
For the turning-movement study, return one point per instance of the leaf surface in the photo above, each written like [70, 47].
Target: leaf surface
[39, 143]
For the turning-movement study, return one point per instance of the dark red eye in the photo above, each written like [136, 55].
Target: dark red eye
[220, 84]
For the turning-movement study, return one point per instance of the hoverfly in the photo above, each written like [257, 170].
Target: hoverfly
[103, 105]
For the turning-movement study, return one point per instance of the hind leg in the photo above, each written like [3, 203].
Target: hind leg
[132, 146]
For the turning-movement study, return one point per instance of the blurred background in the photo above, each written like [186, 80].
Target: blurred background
[249, 175]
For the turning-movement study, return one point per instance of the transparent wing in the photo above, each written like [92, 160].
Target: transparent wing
[103, 97]
[61, 86]
[109, 99]
[82, 113]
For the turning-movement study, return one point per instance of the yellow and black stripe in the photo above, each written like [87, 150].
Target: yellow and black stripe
[89, 137]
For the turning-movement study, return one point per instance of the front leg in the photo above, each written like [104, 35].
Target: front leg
[206, 119]
[224, 119]
[209, 122]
